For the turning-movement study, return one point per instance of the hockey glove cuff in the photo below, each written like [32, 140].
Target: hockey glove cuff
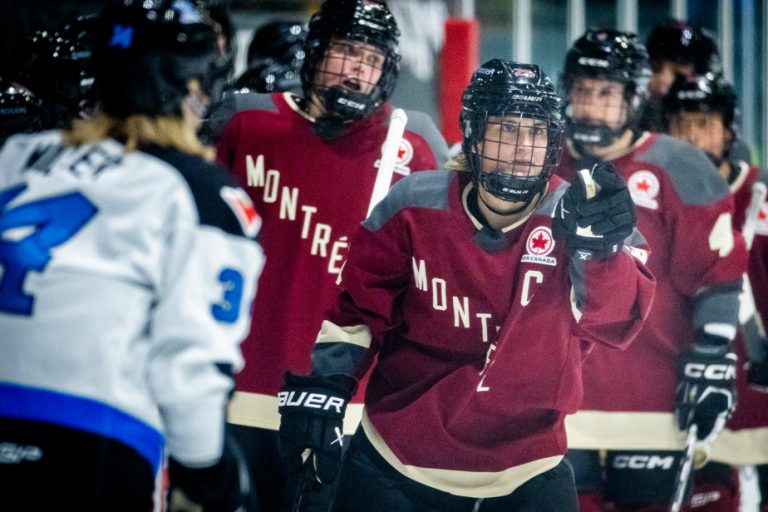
[312, 419]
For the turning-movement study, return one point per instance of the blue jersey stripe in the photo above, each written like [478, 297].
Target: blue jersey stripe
[25, 403]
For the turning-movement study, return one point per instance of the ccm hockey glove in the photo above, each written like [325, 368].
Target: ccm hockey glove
[312, 410]
[706, 393]
[223, 487]
[594, 221]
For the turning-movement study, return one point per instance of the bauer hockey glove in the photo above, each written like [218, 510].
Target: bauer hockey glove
[223, 487]
[706, 394]
[311, 427]
[595, 226]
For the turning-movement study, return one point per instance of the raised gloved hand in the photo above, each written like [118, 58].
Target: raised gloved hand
[222, 487]
[593, 221]
[312, 410]
[706, 393]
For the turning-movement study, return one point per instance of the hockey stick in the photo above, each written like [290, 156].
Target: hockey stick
[591, 188]
[307, 483]
[389, 151]
[684, 473]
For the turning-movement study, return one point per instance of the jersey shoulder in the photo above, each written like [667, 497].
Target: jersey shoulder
[218, 200]
[694, 177]
[425, 189]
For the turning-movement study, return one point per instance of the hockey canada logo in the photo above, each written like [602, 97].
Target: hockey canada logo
[242, 206]
[644, 188]
[539, 245]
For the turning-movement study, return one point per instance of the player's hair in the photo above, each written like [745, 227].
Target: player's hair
[135, 131]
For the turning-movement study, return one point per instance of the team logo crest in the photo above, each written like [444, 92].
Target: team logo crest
[539, 246]
[242, 206]
[644, 187]
[403, 157]
[761, 227]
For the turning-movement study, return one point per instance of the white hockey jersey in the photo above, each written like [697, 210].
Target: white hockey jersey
[125, 289]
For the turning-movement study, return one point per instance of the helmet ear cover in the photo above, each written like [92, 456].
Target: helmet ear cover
[504, 89]
[146, 53]
[363, 21]
[611, 55]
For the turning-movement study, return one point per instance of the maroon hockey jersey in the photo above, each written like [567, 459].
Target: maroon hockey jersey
[311, 194]
[685, 212]
[480, 333]
[745, 439]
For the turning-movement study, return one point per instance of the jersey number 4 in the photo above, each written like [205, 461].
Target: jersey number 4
[28, 232]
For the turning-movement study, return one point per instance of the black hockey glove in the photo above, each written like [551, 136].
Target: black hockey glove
[706, 393]
[312, 410]
[223, 487]
[595, 226]
[757, 376]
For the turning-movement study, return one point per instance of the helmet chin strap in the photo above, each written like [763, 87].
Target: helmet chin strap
[506, 213]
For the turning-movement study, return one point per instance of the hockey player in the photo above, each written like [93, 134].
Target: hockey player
[481, 296]
[702, 111]
[681, 369]
[310, 164]
[675, 48]
[127, 269]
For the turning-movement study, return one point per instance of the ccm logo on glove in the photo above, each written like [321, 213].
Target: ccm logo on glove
[710, 371]
[311, 400]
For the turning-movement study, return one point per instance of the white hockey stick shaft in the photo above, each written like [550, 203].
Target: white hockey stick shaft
[759, 192]
[591, 188]
[389, 151]
[684, 473]
[752, 328]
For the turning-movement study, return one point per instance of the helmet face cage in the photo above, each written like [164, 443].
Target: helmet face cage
[146, 53]
[707, 94]
[612, 56]
[513, 133]
[352, 60]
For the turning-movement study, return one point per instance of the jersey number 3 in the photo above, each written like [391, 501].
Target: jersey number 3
[28, 232]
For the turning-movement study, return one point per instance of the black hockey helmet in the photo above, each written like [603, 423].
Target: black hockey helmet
[275, 58]
[503, 88]
[708, 93]
[20, 110]
[147, 51]
[281, 40]
[612, 55]
[677, 41]
[58, 67]
[368, 21]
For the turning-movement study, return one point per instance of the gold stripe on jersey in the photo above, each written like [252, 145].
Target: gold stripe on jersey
[260, 411]
[601, 430]
[473, 484]
[358, 335]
